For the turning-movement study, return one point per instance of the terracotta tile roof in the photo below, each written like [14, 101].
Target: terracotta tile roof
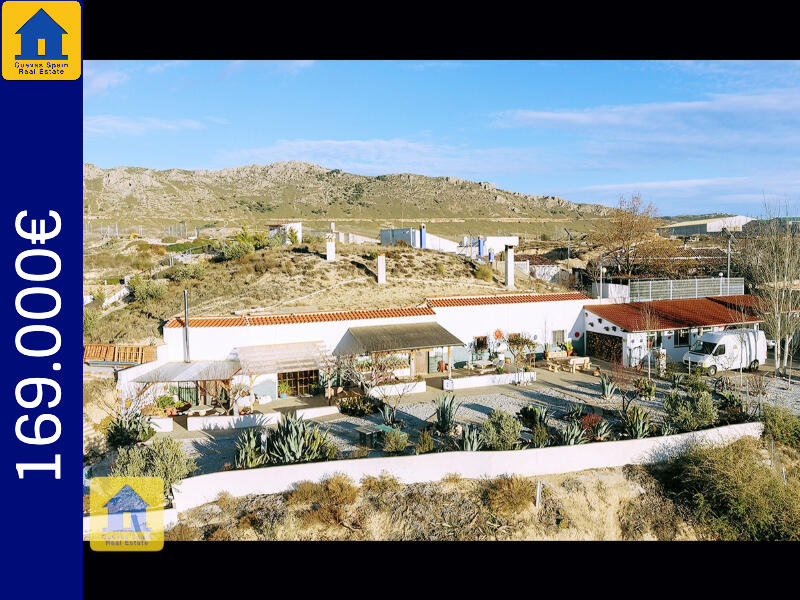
[502, 299]
[677, 314]
[535, 259]
[290, 318]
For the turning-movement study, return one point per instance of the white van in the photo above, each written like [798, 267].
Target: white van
[727, 350]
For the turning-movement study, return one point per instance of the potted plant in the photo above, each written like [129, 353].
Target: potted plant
[283, 389]
[568, 348]
[245, 410]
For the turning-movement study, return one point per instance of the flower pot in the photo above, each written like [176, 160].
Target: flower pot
[283, 395]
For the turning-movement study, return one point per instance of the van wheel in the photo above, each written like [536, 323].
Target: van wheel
[712, 370]
[754, 365]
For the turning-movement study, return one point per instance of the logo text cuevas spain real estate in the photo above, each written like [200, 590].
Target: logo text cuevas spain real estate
[41, 41]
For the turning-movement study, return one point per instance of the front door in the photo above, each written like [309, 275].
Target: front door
[421, 362]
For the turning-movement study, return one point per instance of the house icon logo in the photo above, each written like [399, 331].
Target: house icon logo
[127, 511]
[41, 38]
[41, 41]
[126, 514]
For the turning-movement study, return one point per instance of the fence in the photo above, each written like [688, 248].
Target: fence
[195, 491]
[670, 289]
[125, 354]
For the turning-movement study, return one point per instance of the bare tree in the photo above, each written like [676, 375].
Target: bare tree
[626, 232]
[771, 262]
[522, 348]
[647, 320]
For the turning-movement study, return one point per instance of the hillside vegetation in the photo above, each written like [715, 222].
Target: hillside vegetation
[256, 194]
[290, 278]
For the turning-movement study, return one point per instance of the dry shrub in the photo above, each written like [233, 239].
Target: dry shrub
[226, 502]
[385, 482]
[329, 500]
[650, 513]
[452, 478]
[733, 494]
[220, 534]
[508, 495]
[183, 533]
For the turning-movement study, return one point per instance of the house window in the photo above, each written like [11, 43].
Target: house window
[558, 337]
[481, 343]
[300, 382]
[40, 47]
[682, 337]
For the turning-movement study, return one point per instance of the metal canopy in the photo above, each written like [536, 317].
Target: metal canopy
[199, 370]
[281, 358]
[386, 338]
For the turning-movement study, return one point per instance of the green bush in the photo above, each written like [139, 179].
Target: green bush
[689, 412]
[646, 388]
[358, 406]
[394, 441]
[734, 495]
[182, 272]
[540, 438]
[425, 442]
[781, 425]
[235, 249]
[165, 401]
[90, 317]
[128, 429]
[146, 289]
[164, 458]
[501, 431]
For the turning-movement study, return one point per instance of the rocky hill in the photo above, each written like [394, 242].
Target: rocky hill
[311, 192]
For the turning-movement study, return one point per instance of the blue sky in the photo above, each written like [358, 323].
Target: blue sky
[693, 137]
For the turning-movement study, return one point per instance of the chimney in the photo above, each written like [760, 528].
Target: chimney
[333, 227]
[422, 240]
[381, 268]
[509, 267]
[330, 247]
[186, 326]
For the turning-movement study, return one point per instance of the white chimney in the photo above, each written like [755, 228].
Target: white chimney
[333, 226]
[330, 247]
[381, 268]
[510, 267]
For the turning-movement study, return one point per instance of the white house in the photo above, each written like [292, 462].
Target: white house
[628, 331]
[262, 350]
[282, 229]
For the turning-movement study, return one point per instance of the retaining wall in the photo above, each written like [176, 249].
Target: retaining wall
[195, 491]
[474, 381]
[253, 420]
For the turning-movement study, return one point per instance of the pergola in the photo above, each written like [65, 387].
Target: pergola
[209, 377]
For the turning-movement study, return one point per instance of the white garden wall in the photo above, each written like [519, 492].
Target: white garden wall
[475, 381]
[215, 422]
[398, 389]
[195, 491]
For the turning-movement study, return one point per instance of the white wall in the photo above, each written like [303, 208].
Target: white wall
[195, 491]
[545, 272]
[498, 243]
[476, 381]
[434, 242]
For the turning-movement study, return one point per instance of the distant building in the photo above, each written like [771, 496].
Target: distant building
[282, 229]
[541, 267]
[705, 226]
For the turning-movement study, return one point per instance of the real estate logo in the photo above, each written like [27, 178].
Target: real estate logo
[41, 41]
[126, 514]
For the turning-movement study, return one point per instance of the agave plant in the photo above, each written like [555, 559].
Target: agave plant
[574, 412]
[128, 429]
[676, 379]
[667, 428]
[446, 408]
[249, 450]
[532, 415]
[470, 439]
[607, 387]
[601, 431]
[295, 440]
[573, 434]
[637, 423]
[388, 413]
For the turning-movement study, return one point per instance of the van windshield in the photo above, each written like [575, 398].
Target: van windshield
[701, 347]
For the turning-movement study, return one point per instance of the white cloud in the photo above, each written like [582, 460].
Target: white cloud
[119, 125]
[164, 65]
[96, 81]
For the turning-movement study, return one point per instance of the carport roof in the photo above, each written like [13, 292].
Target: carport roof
[385, 338]
[281, 358]
[198, 370]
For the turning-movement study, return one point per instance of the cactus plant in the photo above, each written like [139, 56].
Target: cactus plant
[607, 388]
[573, 434]
[295, 440]
[601, 431]
[636, 423]
[249, 450]
[574, 412]
[446, 408]
[646, 388]
[532, 415]
[676, 379]
[470, 439]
